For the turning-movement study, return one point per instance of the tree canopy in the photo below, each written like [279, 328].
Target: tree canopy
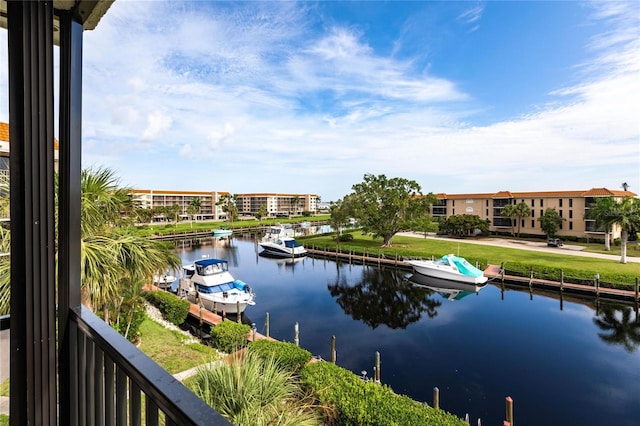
[550, 221]
[385, 206]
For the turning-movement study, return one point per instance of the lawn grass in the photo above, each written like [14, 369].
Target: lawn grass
[4, 420]
[414, 247]
[4, 388]
[167, 348]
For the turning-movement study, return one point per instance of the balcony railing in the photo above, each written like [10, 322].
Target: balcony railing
[113, 375]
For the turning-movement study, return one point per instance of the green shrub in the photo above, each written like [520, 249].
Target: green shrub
[356, 402]
[287, 355]
[129, 321]
[344, 237]
[229, 336]
[173, 309]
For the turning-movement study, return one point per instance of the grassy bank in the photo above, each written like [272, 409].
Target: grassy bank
[413, 247]
[168, 348]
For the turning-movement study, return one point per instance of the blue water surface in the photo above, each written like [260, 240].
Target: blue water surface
[569, 362]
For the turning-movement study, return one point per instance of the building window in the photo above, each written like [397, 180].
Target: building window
[560, 213]
[541, 212]
[570, 202]
[570, 214]
[560, 202]
[533, 223]
[533, 213]
[487, 214]
[486, 203]
[533, 203]
[570, 225]
[541, 203]
[453, 203]
[523, 225]
[560, 226]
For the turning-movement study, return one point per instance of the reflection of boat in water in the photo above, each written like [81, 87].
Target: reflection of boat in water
[280, 241]
[452, 290]
[286, 261]
[450, 267]
[221, 233]
[211, 281]
[164, 281]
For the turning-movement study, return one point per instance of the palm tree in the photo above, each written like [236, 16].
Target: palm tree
[517, 212]
[625, 186]
[228, 203]
[619, 329]
[5, 271]
[294, 201]
[626, 215]
[110, 257]
[600, 212]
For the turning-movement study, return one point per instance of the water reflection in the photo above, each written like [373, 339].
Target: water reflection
[618, 325]
[448, 289]
[383, 297]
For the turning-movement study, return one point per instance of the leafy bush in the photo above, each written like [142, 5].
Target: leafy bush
[344, 237]
[173, 309]
[129, 321]
[357, 402]
[229, 336]
[287, 355]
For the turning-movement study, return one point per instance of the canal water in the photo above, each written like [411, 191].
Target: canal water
[569, 362]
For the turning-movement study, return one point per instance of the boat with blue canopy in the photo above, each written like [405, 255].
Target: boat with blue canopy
[450, 267]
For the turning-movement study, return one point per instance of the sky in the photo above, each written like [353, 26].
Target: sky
[308, 97]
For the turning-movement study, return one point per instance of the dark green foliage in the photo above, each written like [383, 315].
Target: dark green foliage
[356, 402]
[344, 237]
[287, 355]
[576, 276]
[129, 321]
[173, 309]
[229, 336]
[463, 225]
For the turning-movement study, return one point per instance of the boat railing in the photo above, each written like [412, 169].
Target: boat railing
[118, 384]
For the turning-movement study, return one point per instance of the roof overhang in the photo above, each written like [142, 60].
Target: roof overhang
[87, 12]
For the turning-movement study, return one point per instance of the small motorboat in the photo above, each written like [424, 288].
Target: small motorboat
[450, 267]
[221, 233]
[209, 282]
[164, 281]
[279, 241]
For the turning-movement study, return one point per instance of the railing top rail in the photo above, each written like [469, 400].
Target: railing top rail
[169, 394]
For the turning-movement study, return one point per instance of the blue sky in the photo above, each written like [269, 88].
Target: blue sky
[307, 97]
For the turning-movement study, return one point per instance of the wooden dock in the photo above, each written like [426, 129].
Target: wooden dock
[492, 271]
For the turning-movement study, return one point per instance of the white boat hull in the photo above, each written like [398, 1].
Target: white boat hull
[163, 281]
[277, 250]
[220, 304]
[430, 269]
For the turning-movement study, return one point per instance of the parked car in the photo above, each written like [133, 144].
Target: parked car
[554, 242]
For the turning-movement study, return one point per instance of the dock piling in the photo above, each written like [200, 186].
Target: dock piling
[266, 325]
[333, 349]
[377, 368]
[238, 313]
[637, 299]
[436, 397]
[509, 407]
[296, 337]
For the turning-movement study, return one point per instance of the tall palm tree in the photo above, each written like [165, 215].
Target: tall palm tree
[110, 256]
[600, 212]
[295, 201]
[625, 214]
[619, 327]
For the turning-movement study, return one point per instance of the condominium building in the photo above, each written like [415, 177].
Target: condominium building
[570, 205]
[276, 204]
[4, 151]
[154, 198]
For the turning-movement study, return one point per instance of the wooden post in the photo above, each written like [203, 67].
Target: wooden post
[596, 283]
[253, 331]
[509, 404]
[530, 277]
[266, 324]
[561, 280]
[215, 307]
[436, 397]
[238, 314]
[502, 273]
[296, 337]
[379, 254]
[377, 367]
[637, 290]
[333, 349]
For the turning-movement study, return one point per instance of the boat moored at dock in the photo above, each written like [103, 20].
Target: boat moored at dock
[450, 267]
[279, 241]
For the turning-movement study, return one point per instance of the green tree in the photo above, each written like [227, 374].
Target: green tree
[550, 221]
[175, 211]
[516, 212]
[340, 213]
[385, 206]
[625, 215]
[601, 212]
[295, 201]
[262, 212]
[462, 225]
[228, 203]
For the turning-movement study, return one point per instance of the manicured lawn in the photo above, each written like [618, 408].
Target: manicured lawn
[412, 247]
[167, 348]
[4, 388]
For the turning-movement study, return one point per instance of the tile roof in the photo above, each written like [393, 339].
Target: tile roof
[4, 134]
[593, 192]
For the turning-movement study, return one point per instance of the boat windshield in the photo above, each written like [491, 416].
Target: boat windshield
[291, 244]
[442, 261]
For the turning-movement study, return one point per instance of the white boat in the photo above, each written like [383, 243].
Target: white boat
[279, 241]
[449, 267]
[164, 281]
[451, 290]
[209, 282]
[222, 233]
